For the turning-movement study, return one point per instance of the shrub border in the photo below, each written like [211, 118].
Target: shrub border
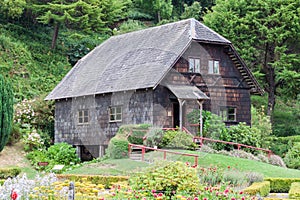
[261, 188]
[107, 181]
[281, 185]
[294, 192]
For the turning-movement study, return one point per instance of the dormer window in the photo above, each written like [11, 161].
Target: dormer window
[194, 65]
[213, 67]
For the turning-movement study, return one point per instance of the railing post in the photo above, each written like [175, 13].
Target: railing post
[129, 150]
[196, 161]
[239, 146]
[143, 153]
[165, 155]
[71, 192]
[269, 153]
[201, 142]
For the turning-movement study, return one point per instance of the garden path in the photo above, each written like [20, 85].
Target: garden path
[279, 195]
[12, 156]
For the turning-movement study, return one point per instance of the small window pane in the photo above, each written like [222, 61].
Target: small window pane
[115, 114]
[197, 65]
[191, 65]
[210, 66]
[216, 67]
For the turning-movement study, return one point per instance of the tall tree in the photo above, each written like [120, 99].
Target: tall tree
[12, 8]
[87, 15]
[263, 32]
[6, 111]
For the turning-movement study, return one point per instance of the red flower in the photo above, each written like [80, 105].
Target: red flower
[187, 164]
[14, 195]
[228, 167]
[196, 198]
[241, 192]
[232, 198]
[204, 198]
[160, 194]
[153, 191]
[243, 198]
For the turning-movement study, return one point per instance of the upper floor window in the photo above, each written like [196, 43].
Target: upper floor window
[228, 114]
[115, 113]
[83, 116]
[194, 65]
[213, 67]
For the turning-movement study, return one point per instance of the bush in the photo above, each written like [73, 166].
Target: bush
[276, 160]
[292, 158]
[261, 188]
[167, 177]
[137, 134]
[9, 172]
[281, 185]
[294, 192]
[118, 148]
[60, 153]
[153, 137]
[107, 181]
[177, 139]
[244, 134]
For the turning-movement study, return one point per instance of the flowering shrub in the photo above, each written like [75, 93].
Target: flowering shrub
[24, 113]
[32, 140]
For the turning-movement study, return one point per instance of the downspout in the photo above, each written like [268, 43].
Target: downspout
[181, 103]
[200, 102]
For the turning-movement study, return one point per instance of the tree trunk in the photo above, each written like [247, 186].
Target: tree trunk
[55, 35]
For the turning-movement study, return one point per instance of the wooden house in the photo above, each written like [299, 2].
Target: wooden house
[155, 76]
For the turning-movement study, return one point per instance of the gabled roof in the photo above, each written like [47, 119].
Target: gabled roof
[131, 61]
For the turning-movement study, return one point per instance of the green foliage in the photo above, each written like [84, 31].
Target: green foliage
[153, 137]
[292, 157]
[9, 172]
[261, 188]
[118, 148]
[6, 111]
[294, 192]
[167, 177]
[281, 185]
[177, 139]
[59, 153]
[258, 28]
[193, 11]
[129, 26]
[12, 8]
[107, 181]
[261, 123]
[244, 134]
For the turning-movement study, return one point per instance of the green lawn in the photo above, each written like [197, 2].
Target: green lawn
[127, 166]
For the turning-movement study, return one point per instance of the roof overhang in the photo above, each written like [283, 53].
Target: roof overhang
[187, 92]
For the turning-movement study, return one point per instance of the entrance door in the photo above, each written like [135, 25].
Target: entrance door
[175, 115]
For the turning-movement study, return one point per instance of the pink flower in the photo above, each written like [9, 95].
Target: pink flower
[232, 198]
[243, 198]
[204, 198]
[241, 192]
[153, 191]
[226, 191]
[196, 198]
[160, 194]
[187, 164]
[14, 195]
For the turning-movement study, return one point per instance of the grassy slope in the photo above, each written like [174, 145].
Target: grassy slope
[127, 166]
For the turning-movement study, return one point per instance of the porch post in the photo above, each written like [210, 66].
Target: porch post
[181, 102]
[200, 117]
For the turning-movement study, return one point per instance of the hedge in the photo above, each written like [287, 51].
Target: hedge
[281, 185]
[9, 172]
[261, 188]
[107, 181]
[294, 192]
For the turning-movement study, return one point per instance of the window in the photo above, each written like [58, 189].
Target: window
[83, 116]
[194, 65]
[213, 67]
[115, 113]
[228, 113]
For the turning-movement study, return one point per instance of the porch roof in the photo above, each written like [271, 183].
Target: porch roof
[187, 92]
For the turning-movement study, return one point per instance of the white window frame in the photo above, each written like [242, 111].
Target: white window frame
[115, 114]
[214, 67]
[83, 116]
[226, 113]
[194, 65]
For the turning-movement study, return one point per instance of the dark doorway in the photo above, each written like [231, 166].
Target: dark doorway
[175, 115]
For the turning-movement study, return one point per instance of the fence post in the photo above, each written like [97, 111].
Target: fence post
[129, 150]
[201, 142]
[196, 161]
[143, 153]
[239, 146]
[71, 192]
[165, 155]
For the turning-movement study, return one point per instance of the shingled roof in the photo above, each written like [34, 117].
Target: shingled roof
[135, 60]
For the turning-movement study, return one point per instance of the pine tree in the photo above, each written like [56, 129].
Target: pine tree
[6, 111]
